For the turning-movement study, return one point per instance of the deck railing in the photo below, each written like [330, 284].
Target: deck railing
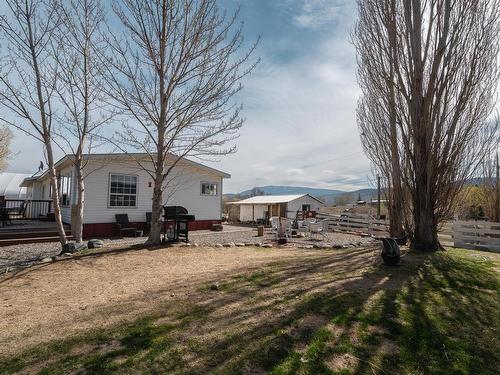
[20, 209]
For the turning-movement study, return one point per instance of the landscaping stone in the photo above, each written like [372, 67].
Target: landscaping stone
[25, 255]
[217, 227]
[219, 245]
[95, 244]
[229, 244]
[267, 245]
[240, 244]
[306, 247]
[46, 260]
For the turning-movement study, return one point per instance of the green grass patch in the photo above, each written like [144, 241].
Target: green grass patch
[435, 314]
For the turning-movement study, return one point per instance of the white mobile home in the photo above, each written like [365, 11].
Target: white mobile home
[116, 183]
[265, 206]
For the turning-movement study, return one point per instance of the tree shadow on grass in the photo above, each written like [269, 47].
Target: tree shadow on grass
[339, 313]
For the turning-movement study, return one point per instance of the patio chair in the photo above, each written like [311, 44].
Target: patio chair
[18, 212]
[284, 226]
[317, 228]
[123, 225]
[4, 216]
[274, 222]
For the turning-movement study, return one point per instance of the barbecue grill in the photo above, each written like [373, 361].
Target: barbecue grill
[176, 223]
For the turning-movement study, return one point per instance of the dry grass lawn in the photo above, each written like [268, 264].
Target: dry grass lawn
[280, 311]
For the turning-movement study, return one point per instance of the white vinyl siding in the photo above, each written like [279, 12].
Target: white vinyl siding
[183, 191]
[297, 204]
[42, 190]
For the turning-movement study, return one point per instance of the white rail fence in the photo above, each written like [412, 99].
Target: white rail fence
[373, 227]
[479, 235]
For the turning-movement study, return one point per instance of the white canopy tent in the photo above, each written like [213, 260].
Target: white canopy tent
[10, 185]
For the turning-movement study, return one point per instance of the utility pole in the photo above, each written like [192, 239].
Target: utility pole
[378, 196]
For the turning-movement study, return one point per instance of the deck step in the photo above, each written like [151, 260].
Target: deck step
[21, 241]
[16, 235]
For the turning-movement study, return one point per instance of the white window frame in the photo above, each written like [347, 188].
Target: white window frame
[210, 183]
[109, 190]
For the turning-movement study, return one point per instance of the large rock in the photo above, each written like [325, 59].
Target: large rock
[72, 247]
[95, 244]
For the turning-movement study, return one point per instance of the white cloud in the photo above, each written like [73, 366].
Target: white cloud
[301, 126]
[316, 13]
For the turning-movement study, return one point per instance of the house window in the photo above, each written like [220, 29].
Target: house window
[306, 207]
[65, 190]
[122, 191]
[208, 188]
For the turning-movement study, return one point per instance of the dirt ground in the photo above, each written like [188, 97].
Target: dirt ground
[61, 299]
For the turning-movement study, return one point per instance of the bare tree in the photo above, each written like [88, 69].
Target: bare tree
[5, 153]
[175, 75]
[77, 51]
[344, 199]
[433, 66]
[27, 80]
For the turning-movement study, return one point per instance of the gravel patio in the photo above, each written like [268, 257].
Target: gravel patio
[20, 256]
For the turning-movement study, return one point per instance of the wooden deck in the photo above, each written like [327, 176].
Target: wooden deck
[29, 231]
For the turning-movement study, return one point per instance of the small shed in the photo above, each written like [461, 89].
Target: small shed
[263, 207]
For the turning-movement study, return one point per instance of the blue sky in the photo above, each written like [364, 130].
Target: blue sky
[299, 104]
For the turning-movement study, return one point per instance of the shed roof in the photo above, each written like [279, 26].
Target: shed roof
[272, 199]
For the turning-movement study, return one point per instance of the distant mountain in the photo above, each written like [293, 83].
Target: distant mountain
[288, 190]
[326, 195]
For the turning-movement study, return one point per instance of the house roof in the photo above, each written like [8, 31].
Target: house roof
[272, 199]
[67, 159]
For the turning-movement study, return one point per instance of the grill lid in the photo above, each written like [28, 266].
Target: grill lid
[177, 213]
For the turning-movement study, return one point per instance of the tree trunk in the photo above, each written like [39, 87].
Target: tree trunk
[425, 233]
[55, 193]
[395, 222]
[156, 223]
[77, 219]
